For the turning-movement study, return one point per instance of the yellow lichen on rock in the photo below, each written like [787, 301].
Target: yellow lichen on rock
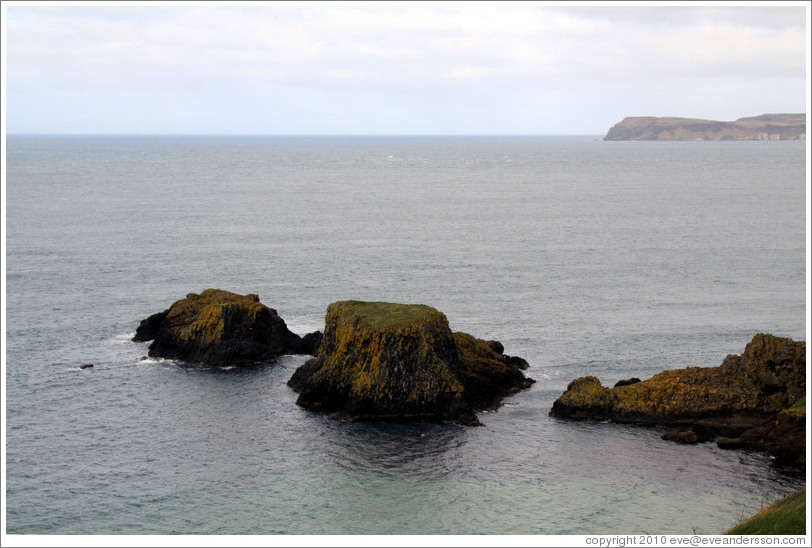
[208, 328]
[390, 360]
[220, 328]
[585, 398]
[768, 377]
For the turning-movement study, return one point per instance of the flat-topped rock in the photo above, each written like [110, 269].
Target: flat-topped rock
[390, 361]
[221, 328]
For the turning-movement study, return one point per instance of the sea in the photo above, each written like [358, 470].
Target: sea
[583, 256]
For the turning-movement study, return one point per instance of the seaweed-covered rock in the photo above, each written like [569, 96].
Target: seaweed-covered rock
[685, 437]
[397, 361]
[220, 328]
[737, 399]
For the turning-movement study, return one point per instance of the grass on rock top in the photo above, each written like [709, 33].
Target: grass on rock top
[383, 315]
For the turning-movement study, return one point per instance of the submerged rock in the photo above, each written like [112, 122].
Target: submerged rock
[394, 361]
[686, 437]
[221, 328]
[738, 399]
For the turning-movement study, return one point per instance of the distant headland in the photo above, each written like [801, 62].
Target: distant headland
[767, 127]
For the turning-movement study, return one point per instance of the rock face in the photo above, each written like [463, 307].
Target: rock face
[767, 127]
[221, 328]
[736, 399]
[782, 436]
[380, 361]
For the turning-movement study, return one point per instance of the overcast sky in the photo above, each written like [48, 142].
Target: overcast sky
[395, 68]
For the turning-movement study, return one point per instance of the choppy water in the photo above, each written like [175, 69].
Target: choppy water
[585, 257]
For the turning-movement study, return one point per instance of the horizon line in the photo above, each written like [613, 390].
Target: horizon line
[92, 134]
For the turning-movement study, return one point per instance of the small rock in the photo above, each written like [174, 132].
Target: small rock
[627, 382]
[731, 443]
[515, 361]
[310, 343]
[687, 437]
[496, 346]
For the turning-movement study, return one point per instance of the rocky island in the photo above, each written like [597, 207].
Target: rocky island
[767, 127]
[219, 328]
[389, 361]
[753, 401]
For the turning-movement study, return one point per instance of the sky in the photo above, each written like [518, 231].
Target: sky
[395, 68]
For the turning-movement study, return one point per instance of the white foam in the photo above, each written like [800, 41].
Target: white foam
[303, 328]
[122, 338]
[150, 359]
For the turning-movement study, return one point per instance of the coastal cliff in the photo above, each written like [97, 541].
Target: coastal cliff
[748, 399]
[767, 127]
[389, 361]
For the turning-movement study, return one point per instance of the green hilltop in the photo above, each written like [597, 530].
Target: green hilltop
[767, 127]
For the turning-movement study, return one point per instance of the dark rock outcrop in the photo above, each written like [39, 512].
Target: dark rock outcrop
[387, 361]
[310, 343]
[221, 328]
[626, 382]
[783, 436]
[744, 399]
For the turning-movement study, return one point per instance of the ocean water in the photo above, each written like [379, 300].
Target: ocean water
[615, 259]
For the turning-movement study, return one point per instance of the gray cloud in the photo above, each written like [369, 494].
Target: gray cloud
[755, 17]
[396, 55]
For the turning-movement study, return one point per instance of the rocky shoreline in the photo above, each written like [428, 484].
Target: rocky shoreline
[752, 401]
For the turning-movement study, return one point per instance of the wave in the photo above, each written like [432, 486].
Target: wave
[122, 338]
[304, 328]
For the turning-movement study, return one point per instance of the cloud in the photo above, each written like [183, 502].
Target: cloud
[664, 15]
[385, 51]
[401, 43]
